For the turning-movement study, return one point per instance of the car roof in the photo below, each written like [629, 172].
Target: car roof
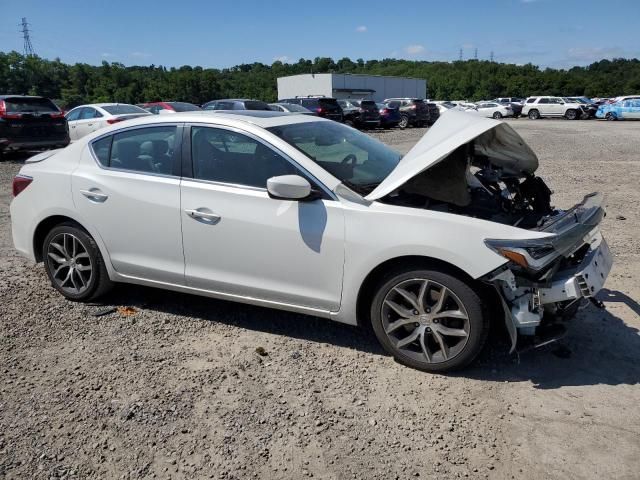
[2, 97]
[260, 118]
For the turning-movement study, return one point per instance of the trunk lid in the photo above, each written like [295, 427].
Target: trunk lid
[493, 138]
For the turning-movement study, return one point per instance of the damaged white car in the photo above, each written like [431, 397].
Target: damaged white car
[304, 214]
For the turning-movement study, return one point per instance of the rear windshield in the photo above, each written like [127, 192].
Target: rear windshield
[256, 105]
[292, 107]
[123, 109]
[29, 105]
[184, 107]
[368, 103]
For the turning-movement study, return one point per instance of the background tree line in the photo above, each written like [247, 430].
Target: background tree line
[79, 83]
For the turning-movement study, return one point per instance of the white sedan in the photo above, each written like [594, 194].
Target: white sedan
[491, 110]
[86, 119]
[308, 215]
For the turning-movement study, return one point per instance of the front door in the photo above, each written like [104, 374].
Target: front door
[125, 188]
[237, 240]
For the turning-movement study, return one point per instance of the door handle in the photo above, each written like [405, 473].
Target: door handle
[94, 195]
[89, 124]
[208, 217]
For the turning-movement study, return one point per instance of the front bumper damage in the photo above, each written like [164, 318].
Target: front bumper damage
[579, 272]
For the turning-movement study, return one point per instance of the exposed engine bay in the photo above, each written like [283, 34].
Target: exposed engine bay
[467, 182]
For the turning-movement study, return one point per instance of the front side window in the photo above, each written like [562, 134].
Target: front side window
[225, 156]
[354, 158]
[88, 113]
[144, 150]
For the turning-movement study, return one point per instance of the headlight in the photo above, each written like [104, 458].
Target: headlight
[532, 254]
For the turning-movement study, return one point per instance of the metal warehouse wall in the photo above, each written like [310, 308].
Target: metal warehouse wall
[303, 85]
[385, 87]
[332, 85]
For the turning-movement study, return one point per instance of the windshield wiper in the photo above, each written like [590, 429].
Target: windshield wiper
[361, 188]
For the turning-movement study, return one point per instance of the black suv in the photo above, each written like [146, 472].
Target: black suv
[360, 113]
[326, 107]
[31, 123]
[236, 104]
[413, 111]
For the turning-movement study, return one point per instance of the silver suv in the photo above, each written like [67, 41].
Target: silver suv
[537, 107]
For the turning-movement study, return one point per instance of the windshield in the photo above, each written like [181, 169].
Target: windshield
[353, 157]
[123, 109]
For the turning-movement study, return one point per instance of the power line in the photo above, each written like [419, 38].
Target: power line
[28, 47]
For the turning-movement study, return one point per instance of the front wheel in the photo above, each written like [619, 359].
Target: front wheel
[534, 115]
[571, 114]
[404, 122]
[611, 117]
[497, 115]
[429, 320]
[74, 264]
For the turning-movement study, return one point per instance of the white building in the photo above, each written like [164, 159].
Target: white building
[341, 85]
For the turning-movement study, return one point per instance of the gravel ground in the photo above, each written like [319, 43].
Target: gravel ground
[188, 387]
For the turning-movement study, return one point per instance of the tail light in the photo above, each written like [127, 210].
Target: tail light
[20, 182]
[319, 110]
[413, 107]
[57, 115]
[385, 111]
[3, 111]
[111, 121]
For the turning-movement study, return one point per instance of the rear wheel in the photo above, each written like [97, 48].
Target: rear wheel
[428, 319]
[74, 264]
[497, 115]
[571, 114]
[404, 121]
[534, 114]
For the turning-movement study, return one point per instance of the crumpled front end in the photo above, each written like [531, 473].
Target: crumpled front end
[546, 279]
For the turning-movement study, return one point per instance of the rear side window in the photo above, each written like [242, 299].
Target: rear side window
[74, 114]
[543, 100]
[29, 105]
[184, 107]
[144, 150]
[531, 100]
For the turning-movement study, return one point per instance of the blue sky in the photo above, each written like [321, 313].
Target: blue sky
[222, 33]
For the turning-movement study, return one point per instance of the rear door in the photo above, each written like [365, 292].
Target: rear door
[88, 122]
[127, 187]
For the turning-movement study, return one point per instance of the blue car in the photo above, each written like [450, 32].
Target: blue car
[621, 110]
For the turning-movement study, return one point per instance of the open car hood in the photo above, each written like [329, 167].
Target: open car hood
[492, 138]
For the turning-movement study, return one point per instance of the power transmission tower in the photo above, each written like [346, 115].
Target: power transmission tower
[475, 54]
[28, 47]
[491, 56]
[460, 57]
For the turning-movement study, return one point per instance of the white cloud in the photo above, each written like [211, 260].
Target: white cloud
[140, 54]
[592, 54]
[281, 58]
[361, 29]
[107, 55]
[415, 49]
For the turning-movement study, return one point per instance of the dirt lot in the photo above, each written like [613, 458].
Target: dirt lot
[177, 390]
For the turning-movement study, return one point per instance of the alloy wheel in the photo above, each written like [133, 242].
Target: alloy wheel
[425, 321]
[69, 263]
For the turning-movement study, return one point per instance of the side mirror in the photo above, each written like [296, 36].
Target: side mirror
[289, 187]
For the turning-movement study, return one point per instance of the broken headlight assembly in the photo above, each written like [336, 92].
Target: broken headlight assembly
[530, 254]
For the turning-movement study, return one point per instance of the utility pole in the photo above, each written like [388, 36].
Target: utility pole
[28, 47]
[491, 56]
[475, 54]
[460, 57]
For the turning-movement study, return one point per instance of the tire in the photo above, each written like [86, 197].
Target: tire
[497, 115]
[66, 248]
[571, 114]
[404, 122]
[611, 117]
[534, 115]
[425, 345]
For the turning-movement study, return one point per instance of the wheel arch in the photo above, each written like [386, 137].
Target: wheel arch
[367, 287]
[44, 227]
